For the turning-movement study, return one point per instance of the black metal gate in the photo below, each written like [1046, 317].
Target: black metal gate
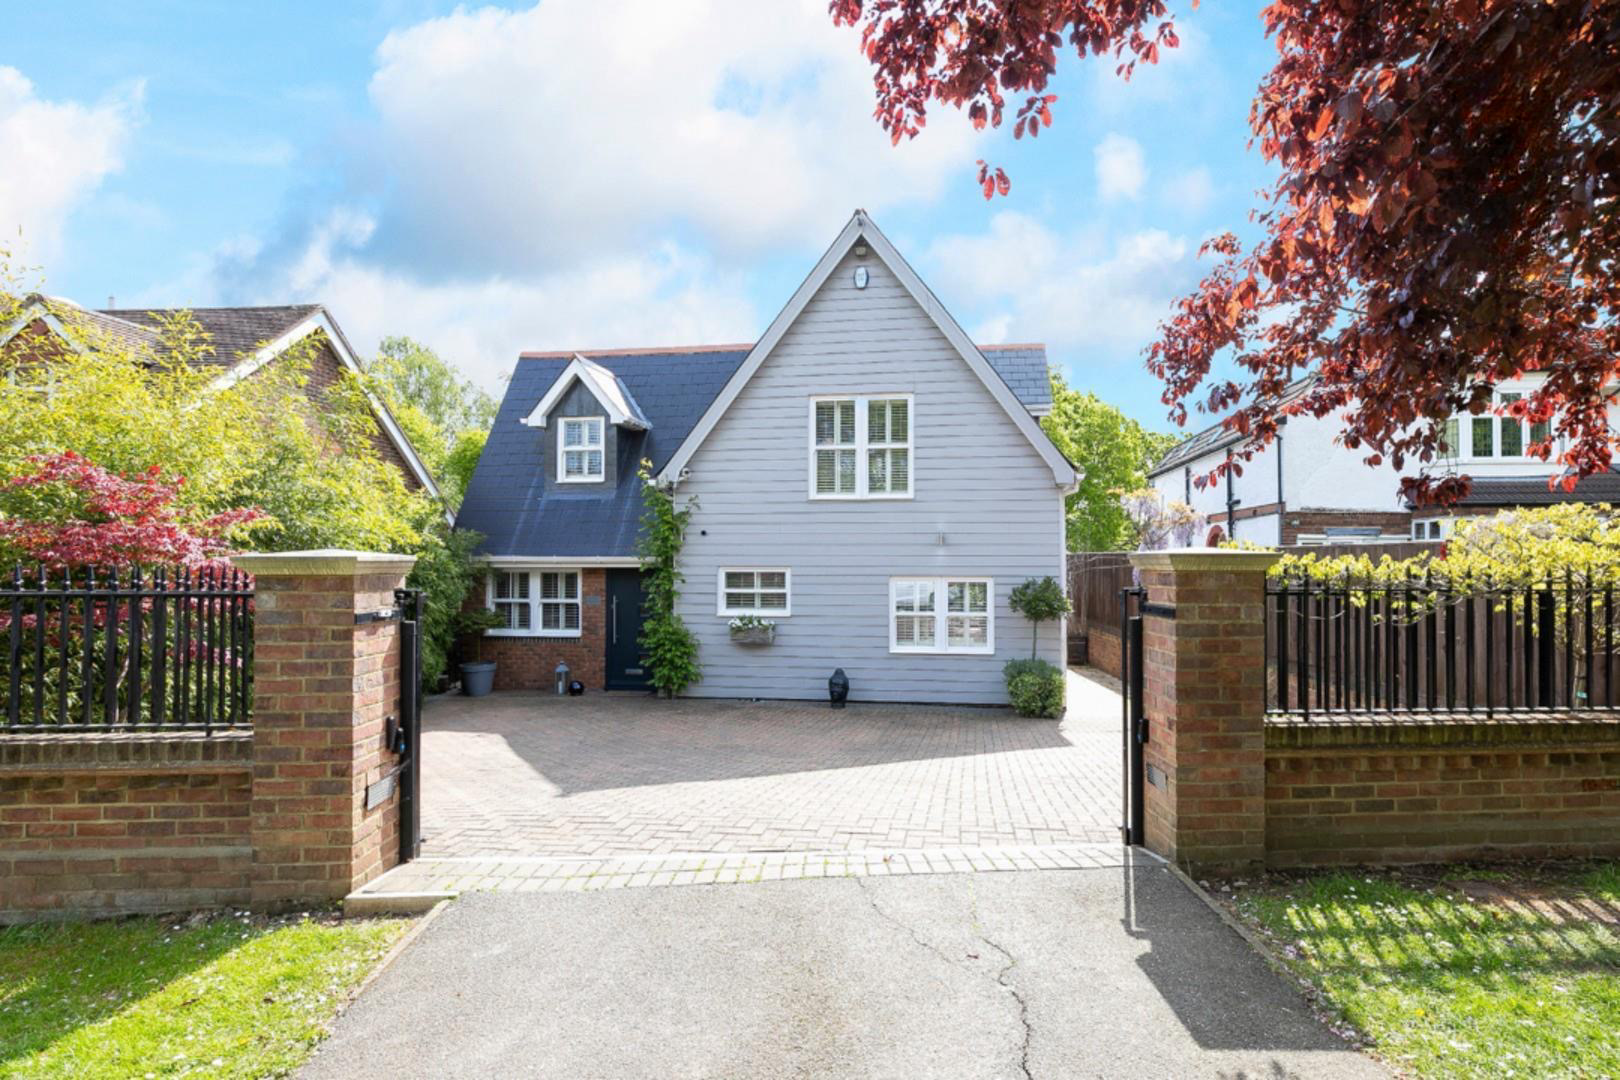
[1134, 728]
[409, 731]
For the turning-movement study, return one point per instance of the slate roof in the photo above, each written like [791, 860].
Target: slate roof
[1023, 369]
[1215, 437]
[521, 511]
[1532, 491]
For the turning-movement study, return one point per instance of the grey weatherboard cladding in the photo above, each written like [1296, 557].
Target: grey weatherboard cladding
[515, 503]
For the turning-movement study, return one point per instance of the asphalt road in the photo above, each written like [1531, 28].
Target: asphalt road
[1112, 973]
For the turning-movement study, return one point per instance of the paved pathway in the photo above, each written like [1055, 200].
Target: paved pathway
[1116, 972]
[517, 873]
[603, 775]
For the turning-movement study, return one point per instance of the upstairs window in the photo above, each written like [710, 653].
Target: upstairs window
[580, 456]
[860, 448]
[1492, 437]
[541, 603]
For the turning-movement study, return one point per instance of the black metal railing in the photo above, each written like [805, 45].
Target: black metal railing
[150, 649]
[1438, 645]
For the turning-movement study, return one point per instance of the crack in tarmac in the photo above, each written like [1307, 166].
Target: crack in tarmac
[978, 932]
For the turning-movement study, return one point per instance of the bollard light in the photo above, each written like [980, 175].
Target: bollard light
[838, 688]
[562, 678]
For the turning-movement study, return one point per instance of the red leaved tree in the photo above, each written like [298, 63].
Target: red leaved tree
[1447, 214]
[70, 513]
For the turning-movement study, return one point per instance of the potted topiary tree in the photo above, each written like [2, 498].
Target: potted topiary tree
[1039, 600]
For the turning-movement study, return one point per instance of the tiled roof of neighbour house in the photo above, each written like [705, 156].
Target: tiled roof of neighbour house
[1023, 368]
[1533, 491]
[233, 332]
[522, 511]
[1216, 437]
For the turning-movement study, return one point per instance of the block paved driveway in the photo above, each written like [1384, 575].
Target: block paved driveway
[522, 774]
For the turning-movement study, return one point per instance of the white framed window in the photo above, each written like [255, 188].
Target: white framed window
[579, 451]
[1492, 436]
[755, 591]
[947, 614]
[535, 603]
[861, 447]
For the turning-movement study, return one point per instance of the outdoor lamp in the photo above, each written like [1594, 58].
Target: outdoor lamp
[562, 678]
[838, 688]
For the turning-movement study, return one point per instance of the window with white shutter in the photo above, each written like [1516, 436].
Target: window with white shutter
[952, 615]
[754, 591]
[510, 599]
[579, 453]
[535, 603]
[860, 447]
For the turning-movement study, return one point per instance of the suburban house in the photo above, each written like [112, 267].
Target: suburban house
[244, 340]
[1307, 488]
[863, 476]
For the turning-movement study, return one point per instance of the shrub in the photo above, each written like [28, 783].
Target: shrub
[1034, 688]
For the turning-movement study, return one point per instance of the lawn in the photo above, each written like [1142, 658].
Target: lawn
[227, 996]
[1465, 972]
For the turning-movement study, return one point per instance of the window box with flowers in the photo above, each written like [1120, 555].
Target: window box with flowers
[752, 630]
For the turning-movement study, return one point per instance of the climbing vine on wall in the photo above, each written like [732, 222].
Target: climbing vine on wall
[671, 648]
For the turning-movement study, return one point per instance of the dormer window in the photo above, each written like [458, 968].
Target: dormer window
[580, 459]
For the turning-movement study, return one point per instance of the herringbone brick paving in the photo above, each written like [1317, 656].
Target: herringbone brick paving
[537, 775]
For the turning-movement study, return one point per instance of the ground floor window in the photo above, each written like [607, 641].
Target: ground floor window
[754, 591]
[541, 603]
[944, 614]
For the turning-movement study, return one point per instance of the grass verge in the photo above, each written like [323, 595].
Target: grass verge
[227, 996]
[1461, 972]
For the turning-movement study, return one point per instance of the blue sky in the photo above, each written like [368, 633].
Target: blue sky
[596, 173]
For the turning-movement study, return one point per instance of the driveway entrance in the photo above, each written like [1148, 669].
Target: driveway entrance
[524, 774]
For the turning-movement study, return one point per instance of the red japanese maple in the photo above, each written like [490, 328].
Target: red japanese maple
[69, 512]
[1447, 214]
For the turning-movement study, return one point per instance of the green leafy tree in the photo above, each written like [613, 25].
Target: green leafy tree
[307, 464]
[1114, 452]
[459, 465]
[1039, 600]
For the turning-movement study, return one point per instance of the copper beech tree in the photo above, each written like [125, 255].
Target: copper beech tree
[1446, 214]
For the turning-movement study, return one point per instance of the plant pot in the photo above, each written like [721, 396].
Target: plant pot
[754, 635]
[477, 679]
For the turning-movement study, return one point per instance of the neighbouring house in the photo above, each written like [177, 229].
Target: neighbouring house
[863, 476]
[244, 340]
[1307, 488]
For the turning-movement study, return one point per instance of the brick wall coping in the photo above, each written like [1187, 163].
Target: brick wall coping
[112, 752]
[326, 562]
[1223, 559]
[1443, 731]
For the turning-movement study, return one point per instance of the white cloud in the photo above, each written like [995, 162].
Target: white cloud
[1121, 168]
[667, 296]
[1085, 289]
[56, 154]
[1190, 192]
[521, 140]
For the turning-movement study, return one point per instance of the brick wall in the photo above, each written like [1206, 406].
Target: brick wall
[530, 663]
[1348, 792]
[117, 824]
[1204, 695]
[323, 688]
[1297, 523]
[1103, 651]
